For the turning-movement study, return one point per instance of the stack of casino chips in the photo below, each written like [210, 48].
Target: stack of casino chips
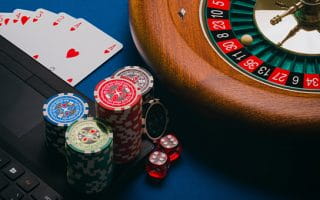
[59, 112]
[89, 145]
[119, 102]
[141, 77]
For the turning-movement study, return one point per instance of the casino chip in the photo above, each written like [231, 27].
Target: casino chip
[119, 102]
[60, 111]
[141, 77]
[155, 119]
[89, 153]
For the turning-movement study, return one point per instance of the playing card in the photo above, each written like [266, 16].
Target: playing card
[79, 50]
[71, 48]
[14, 29]
[5, 19]
[50, 30]
[36, 32]
[63, 20]
[21, 17]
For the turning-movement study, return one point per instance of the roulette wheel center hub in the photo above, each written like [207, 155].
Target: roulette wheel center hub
[294, 26]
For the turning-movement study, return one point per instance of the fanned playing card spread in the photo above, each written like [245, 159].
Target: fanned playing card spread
[71, 48]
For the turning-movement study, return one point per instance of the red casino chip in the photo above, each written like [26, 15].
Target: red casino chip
[117, 94]
[128, 147]
[129, 151]
[127, 121]
[127, 144]
[119, 102]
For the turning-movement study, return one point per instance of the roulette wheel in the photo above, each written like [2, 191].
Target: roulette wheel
[257, 60]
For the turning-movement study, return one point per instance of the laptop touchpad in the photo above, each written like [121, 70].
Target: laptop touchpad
[20, 105]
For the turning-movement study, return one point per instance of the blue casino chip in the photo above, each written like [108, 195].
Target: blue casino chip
[64, 109]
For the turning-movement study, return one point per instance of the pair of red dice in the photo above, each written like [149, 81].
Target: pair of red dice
[168, 150]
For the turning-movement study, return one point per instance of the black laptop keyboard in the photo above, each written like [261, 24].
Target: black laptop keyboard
[18, 183]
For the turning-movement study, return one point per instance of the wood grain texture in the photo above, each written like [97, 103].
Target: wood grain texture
[181, 55]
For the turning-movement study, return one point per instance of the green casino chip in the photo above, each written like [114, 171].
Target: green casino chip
[89, 154]
[88, 136]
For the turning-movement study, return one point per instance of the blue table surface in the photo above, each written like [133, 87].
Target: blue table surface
[221, 160]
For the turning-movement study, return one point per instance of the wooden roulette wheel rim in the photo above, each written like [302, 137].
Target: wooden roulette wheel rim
[178, 50]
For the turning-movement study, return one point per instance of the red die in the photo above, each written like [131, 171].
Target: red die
[158, 165]
[171, 146]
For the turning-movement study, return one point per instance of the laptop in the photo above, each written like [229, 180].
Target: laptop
[28, 170]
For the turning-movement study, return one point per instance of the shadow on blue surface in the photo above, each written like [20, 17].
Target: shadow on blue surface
[273, 161]
[237, 160]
